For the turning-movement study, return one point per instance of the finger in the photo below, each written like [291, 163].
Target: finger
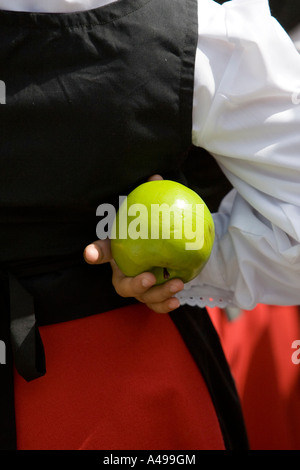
[162, 293]
[155, 178]
[165, 307]
[131, 286]
[98, 252]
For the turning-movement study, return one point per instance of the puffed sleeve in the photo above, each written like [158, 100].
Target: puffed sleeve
[247, 115]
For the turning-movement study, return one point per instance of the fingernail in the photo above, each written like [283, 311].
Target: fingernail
[174, 288]
[92, 253]
[173, 303]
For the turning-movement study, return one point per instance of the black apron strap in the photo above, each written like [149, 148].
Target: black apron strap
[27, 345]
[23, 349]
[7, 410]
[203, 342]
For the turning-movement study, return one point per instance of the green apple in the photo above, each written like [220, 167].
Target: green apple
[163, 227]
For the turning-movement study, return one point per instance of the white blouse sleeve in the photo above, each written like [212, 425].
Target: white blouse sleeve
[247, 115]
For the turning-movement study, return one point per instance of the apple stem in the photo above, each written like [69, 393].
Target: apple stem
[166, 273]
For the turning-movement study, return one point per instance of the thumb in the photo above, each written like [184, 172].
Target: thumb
[155, 178]
[98, 252]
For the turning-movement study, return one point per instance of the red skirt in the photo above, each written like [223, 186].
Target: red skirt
[121, 380]
[258, 348]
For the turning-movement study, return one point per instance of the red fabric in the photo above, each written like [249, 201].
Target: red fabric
[258, 347]
[120, 380]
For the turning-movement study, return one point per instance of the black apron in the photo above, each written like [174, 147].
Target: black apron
[96, 102]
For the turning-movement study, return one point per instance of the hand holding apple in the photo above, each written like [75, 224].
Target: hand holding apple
[160, 299]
